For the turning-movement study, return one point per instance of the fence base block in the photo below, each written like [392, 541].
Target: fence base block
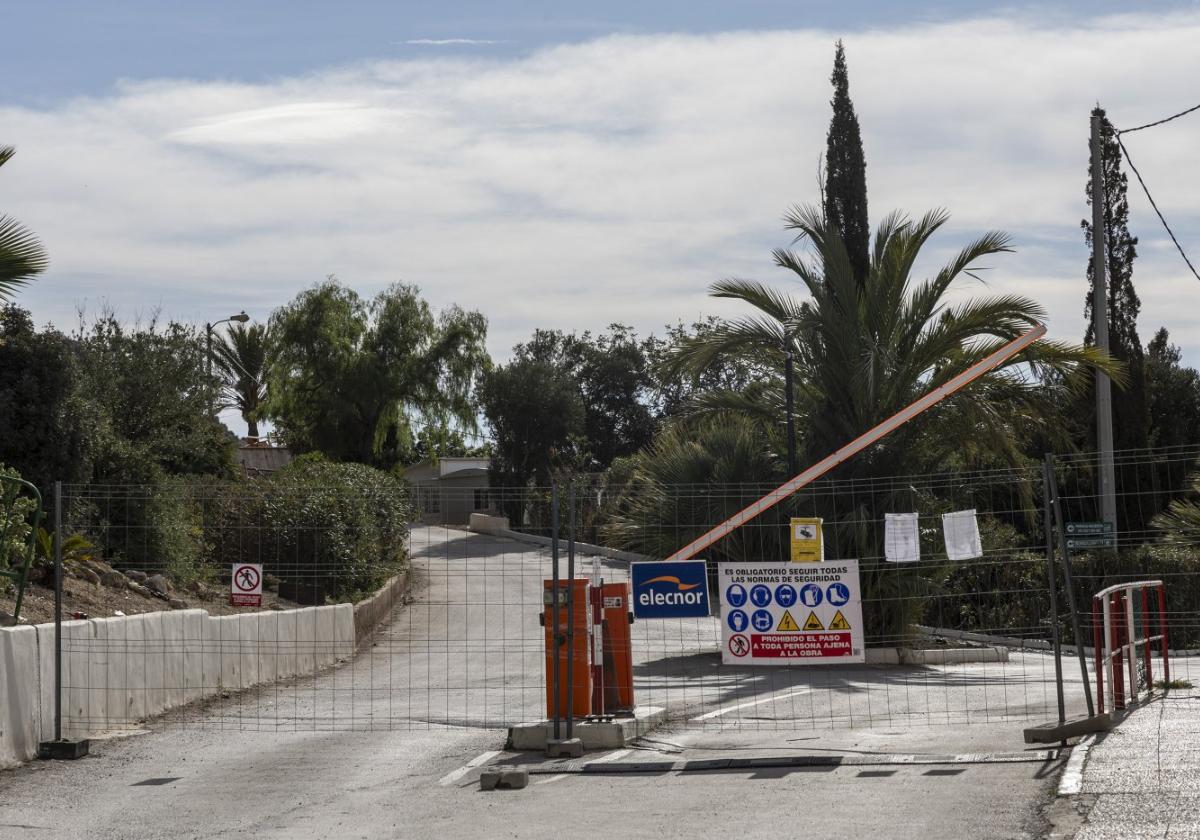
[64, 750]
[600, 735]
[1049, 733]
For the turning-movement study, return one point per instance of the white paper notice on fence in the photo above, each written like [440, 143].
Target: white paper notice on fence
[901, 538]
[962, 535]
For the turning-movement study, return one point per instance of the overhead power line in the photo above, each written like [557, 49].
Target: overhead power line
[1149, 197]
[1160, 122]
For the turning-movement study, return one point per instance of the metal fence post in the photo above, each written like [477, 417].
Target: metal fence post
[1069, 584]
[58, 587]
[1047, 520]
[570, 609]
[555, 640]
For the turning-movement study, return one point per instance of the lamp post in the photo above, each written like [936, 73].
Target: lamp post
[241, 318]
[788, 375]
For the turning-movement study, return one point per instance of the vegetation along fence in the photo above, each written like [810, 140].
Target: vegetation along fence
[955, 631]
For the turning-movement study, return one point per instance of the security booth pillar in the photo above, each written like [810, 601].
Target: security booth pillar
[569, 641]
[617, 651]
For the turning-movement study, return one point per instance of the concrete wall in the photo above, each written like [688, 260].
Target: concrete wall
[120, 671]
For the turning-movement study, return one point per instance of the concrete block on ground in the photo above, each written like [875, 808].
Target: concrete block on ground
[264, 668]
[566, 748]
[324, 649]
[483, 523]
[343, 631]
[191, 626]
[20, 710]
[226, 638]
[935, 656]
[304, 640]
[76, 647]
[954, 656]
[503, 776]
[597, 735]
[285, 651]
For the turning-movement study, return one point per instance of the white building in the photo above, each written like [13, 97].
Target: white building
[448, 490]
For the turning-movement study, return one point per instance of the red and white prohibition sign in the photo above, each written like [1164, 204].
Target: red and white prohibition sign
[245, 585]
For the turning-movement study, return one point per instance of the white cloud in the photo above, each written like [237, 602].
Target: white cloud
[605, 181]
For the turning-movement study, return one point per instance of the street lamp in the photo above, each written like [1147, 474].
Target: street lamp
[788, 374]
[241, 318]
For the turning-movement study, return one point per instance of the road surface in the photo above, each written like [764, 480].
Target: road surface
[390, 743]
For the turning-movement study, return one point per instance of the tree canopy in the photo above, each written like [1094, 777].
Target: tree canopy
[845, 203]
[241, 357]
[22, 256]
[354, 379]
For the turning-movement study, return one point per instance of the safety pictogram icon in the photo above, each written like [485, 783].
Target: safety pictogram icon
[245, 585]
[787, 624]
[246, 578]
[739, 645]
[813, 623]
[839, 622]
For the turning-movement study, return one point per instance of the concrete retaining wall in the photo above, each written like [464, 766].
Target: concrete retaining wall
[489, 525]
[119, 671]
[372, 612]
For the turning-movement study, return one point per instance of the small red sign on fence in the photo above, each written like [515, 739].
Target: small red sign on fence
[245, 587]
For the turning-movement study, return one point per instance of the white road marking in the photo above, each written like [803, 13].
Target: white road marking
[612, 756]
[1071, 782]
[454, 775]
[728, 709]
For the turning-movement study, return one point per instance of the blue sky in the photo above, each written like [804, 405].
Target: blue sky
[67, 48]
[565, 164]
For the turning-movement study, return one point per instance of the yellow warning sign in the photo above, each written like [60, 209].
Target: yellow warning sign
[787, 624]
[839, 622]
[806, 541]
[814, 623]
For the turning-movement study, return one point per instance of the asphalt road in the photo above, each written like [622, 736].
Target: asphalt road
[381, 746]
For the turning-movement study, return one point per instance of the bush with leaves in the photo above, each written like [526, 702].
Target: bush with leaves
[335, 528]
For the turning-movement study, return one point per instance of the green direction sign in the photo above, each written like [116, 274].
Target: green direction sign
[1090, 535]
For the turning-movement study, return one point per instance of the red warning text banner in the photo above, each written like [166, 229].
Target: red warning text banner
[801, 646]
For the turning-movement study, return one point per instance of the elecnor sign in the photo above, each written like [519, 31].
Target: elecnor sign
[669, 590]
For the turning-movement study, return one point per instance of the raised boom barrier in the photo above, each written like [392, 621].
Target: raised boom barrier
[860, 443]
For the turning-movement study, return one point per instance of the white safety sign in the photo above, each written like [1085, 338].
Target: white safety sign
[245, 586]
[789, 614]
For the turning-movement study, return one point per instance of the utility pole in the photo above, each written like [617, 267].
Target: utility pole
[788, 374]
[1104, 428]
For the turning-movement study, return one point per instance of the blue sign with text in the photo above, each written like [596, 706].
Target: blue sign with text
[669, 590]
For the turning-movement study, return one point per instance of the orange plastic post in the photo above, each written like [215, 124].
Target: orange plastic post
[582, 676]
[617, 612]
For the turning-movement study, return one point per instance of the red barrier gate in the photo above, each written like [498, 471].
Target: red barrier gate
[1116, 640]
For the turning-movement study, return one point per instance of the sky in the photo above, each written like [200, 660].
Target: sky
[570, 165]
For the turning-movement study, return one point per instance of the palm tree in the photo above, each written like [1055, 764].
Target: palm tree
[240, 356]
[863, 351]
[22, 256]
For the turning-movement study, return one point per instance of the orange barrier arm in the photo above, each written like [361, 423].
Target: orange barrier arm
[862, 442]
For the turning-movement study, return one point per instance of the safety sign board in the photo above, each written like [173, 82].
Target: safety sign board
[807, 545]
[784, 614]
[671, 590]
[245, 586]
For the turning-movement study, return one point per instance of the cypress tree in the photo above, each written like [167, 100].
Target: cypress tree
[1131, 416]
[845, 197]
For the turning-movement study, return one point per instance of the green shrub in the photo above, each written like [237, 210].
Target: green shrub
[334, 529]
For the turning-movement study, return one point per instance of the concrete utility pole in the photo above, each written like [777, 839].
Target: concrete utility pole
[1104, 427]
